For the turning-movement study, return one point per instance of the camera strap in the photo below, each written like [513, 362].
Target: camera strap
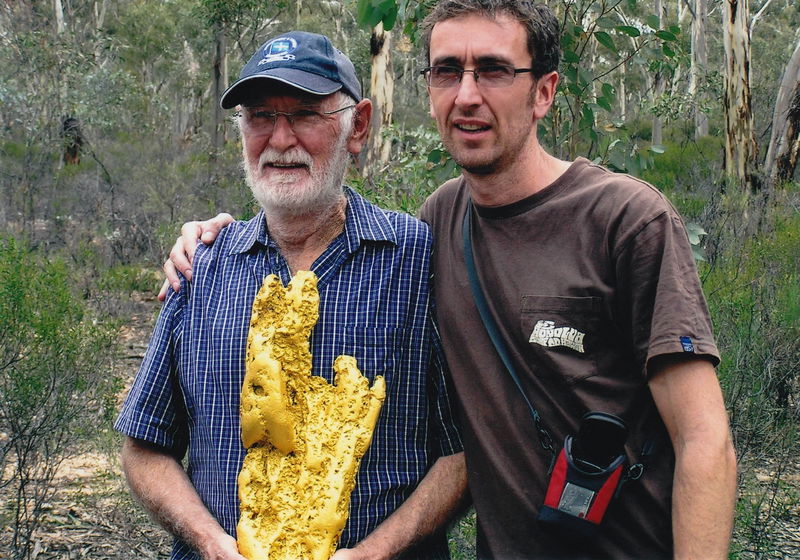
[489, 323]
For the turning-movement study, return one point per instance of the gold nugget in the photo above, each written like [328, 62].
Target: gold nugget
[304, 437]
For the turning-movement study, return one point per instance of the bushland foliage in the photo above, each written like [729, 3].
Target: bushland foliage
[85, 222]
[55, 387]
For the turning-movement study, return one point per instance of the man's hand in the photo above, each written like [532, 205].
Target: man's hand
[182, 253]
[222, 549]
[160, 484]
[439, 496]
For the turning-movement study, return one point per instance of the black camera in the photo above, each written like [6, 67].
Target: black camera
[587, 472]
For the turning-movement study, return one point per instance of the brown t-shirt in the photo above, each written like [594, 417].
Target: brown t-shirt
[588, 280]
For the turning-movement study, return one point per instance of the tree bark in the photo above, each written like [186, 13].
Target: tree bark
[381, 93]
[220, 85]
[658, 85]
[698, 65]
[58, 8]
[740, 144]
[784, 144]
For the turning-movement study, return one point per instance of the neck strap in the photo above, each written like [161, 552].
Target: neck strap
[491, 328]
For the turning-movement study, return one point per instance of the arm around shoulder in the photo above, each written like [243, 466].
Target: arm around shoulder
[159, 482]
[689, 399]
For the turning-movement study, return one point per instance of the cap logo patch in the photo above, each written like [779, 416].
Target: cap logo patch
[279, 50]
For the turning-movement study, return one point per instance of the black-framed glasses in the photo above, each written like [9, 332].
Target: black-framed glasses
[261, 121]
[488, 75]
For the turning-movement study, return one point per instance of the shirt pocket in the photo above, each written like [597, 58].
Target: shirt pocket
[386, 351]
[562, 335]
[397, 354]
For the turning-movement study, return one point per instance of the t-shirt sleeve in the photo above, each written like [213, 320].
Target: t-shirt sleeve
[154, 410]
[662, 293]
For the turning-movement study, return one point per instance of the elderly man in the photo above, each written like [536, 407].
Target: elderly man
[591, 308]
[301, 115]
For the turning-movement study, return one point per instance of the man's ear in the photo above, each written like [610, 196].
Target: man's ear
[431, 109]
[544, 94]
[361, 126]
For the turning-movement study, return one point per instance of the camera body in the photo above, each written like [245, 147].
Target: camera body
[587, 473]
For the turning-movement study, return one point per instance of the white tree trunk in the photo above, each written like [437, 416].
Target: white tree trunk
[784, 144]
[381, 93]
[698, 66]
[658, 86]
[58, 8]
[740, 144]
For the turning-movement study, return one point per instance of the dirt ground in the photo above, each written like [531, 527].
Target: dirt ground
[91, 513]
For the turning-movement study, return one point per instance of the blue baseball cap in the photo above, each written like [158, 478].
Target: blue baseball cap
[306, 61]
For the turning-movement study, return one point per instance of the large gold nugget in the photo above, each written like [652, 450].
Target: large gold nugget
[304, 437]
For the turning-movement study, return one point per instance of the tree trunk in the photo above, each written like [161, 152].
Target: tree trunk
[658, 86]
[220, 85]
[699, 64]
[784, 144]
[382, 94]
[740, 144]
[58, 8]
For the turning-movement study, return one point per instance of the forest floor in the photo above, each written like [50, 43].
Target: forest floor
[92, 516]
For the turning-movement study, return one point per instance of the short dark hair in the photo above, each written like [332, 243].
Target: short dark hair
[537, 19]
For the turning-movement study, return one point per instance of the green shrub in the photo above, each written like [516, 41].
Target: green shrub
[55, 387]
[687, 173]
[418, 164]
[753, 290]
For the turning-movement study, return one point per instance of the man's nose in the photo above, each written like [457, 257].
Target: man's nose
[468, 91]
[283, 135]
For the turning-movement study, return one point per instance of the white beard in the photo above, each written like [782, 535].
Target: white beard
[321, 187]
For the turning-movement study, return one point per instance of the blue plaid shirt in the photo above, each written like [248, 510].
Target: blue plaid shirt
[375, 304]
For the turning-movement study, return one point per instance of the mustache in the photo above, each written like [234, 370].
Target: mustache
[293, 156]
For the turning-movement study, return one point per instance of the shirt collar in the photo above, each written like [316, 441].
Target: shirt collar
[363, 222]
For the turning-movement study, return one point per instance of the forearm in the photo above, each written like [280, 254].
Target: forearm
[439, 496]
[703, 500]
[690, 402]
[161, 485]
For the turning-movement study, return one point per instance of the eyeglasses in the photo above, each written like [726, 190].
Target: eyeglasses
[261, 121]
[491, 75]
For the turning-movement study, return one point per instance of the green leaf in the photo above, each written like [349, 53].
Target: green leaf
[390, 10]
[667, 50]
[608, 91]
[653, 21]
[628, 30]
[369, 15]
[617, 161]
[658, 149]
[605, 39]
[585, 77]
[666, 35]
[435, 156]
[604, 103]
[571, 57]
[575, 90]
[696, 232]
[606, 22]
